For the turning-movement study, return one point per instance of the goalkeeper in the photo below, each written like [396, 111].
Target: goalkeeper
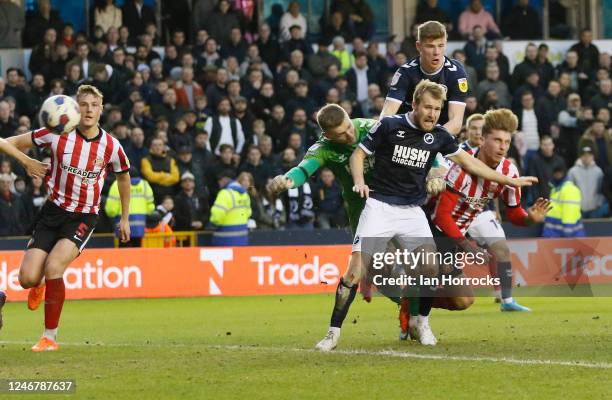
[340, 137]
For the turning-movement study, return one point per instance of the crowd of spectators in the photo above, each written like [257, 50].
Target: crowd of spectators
[230, 96]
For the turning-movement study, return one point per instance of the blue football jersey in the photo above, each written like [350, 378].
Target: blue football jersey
[403, 155]
[451, 75]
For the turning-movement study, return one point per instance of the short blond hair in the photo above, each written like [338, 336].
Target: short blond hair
[330, 116]
[89, 89]
[436, 90]
[474, 117]
[501, 119]
[431, 30]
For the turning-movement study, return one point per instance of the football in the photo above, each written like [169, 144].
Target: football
[60, 114]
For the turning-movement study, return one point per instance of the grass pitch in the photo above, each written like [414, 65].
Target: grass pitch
[260, 348]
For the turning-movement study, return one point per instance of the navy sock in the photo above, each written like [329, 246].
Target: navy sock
[504, 272]
[426, 300]
[344, 297]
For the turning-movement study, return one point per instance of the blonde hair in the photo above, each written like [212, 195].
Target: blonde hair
[501, 119]
[436, 90]
[89, 89]
[474, 117]
[431, 30]
[330, 116]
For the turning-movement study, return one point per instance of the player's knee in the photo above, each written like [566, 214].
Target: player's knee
[54, 268]
[462, 303]
[501, 251]
[28, 280]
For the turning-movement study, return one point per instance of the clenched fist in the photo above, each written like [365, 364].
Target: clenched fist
[436, 183]
[279, 184]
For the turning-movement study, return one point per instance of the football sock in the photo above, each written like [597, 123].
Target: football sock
[54, 301]
[423, 319]
[426, 300]
[425, 304]
[413, 305]
[335, 330]
[344, 297]
[504, 270]
[493, 272]
[50, 333]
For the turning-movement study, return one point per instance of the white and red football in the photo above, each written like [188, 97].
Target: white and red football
[60, 114]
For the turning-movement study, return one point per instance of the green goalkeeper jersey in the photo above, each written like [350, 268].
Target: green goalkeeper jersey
[336, 156]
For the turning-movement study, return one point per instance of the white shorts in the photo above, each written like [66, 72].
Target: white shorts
[486, 229]
[406, 225]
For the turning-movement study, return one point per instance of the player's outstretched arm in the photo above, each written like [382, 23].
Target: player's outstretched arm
[390, 107]
[295, 177]
[537, 212]
[436, 182]
[124, 185]
[356, 163]
[14, 146]
[279, 184]
[455, 118]
[474, 166]
[533, 215]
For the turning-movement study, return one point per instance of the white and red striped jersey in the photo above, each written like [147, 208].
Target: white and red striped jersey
[474, 192]
[79, 166]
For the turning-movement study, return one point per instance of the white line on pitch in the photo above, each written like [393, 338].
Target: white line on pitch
[380, 353]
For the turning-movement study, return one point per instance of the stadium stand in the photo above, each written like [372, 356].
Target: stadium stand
[225, 94]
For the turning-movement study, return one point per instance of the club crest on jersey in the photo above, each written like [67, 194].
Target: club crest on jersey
[99, 162]
[409, 156]
[428, 138]
[463, 84]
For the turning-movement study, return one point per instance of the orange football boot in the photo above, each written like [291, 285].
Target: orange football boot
[45, 344]
[35, 297]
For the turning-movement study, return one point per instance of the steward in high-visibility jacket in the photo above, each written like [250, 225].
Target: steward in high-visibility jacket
[230, 215]
[565, 218]
[141, 205]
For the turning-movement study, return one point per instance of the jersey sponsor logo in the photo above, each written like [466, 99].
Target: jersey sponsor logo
[477, 202]
[396, 78]
[80, 172]
[463, 84]
[428, 138]
[410, 157]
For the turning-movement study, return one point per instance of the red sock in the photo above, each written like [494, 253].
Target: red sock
[54, 301]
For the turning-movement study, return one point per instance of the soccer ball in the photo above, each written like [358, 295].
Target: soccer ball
[60, 114]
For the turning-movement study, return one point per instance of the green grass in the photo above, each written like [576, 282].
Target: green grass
[259, 348]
